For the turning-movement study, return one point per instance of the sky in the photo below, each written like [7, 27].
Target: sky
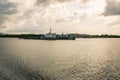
[67, 16]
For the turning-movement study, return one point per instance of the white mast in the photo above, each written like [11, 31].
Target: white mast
[50, 30]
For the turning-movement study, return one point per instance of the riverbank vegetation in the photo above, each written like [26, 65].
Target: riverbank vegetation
[36, 36]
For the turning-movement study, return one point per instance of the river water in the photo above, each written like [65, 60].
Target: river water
[81, 59]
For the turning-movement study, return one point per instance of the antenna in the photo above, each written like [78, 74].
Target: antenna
[50, 30]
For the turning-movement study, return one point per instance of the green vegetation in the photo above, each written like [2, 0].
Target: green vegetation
[37, 36]
[96, 36]
[25, 36]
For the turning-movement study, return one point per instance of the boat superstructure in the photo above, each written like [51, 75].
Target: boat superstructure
[54, 36]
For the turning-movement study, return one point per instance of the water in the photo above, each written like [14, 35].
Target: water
[81, 59]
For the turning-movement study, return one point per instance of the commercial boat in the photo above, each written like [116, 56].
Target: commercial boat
[54, 36]
[50, 36]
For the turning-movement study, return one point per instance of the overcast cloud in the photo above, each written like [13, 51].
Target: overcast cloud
[6, 9]
[51, 1]
[112, 8]
[82, 16]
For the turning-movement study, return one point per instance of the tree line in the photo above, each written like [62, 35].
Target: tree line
[39, 35]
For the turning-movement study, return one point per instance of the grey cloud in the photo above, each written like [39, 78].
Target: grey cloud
[112, 8]
[44, 1]
[49, 1]
[41, 1]
[85, 1]
[6, 9]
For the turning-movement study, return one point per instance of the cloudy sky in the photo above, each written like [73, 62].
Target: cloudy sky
[68, 16]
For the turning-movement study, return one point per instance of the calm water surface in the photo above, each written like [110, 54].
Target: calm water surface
[81, 59]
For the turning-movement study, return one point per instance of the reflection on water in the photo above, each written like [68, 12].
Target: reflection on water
[82, 59]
